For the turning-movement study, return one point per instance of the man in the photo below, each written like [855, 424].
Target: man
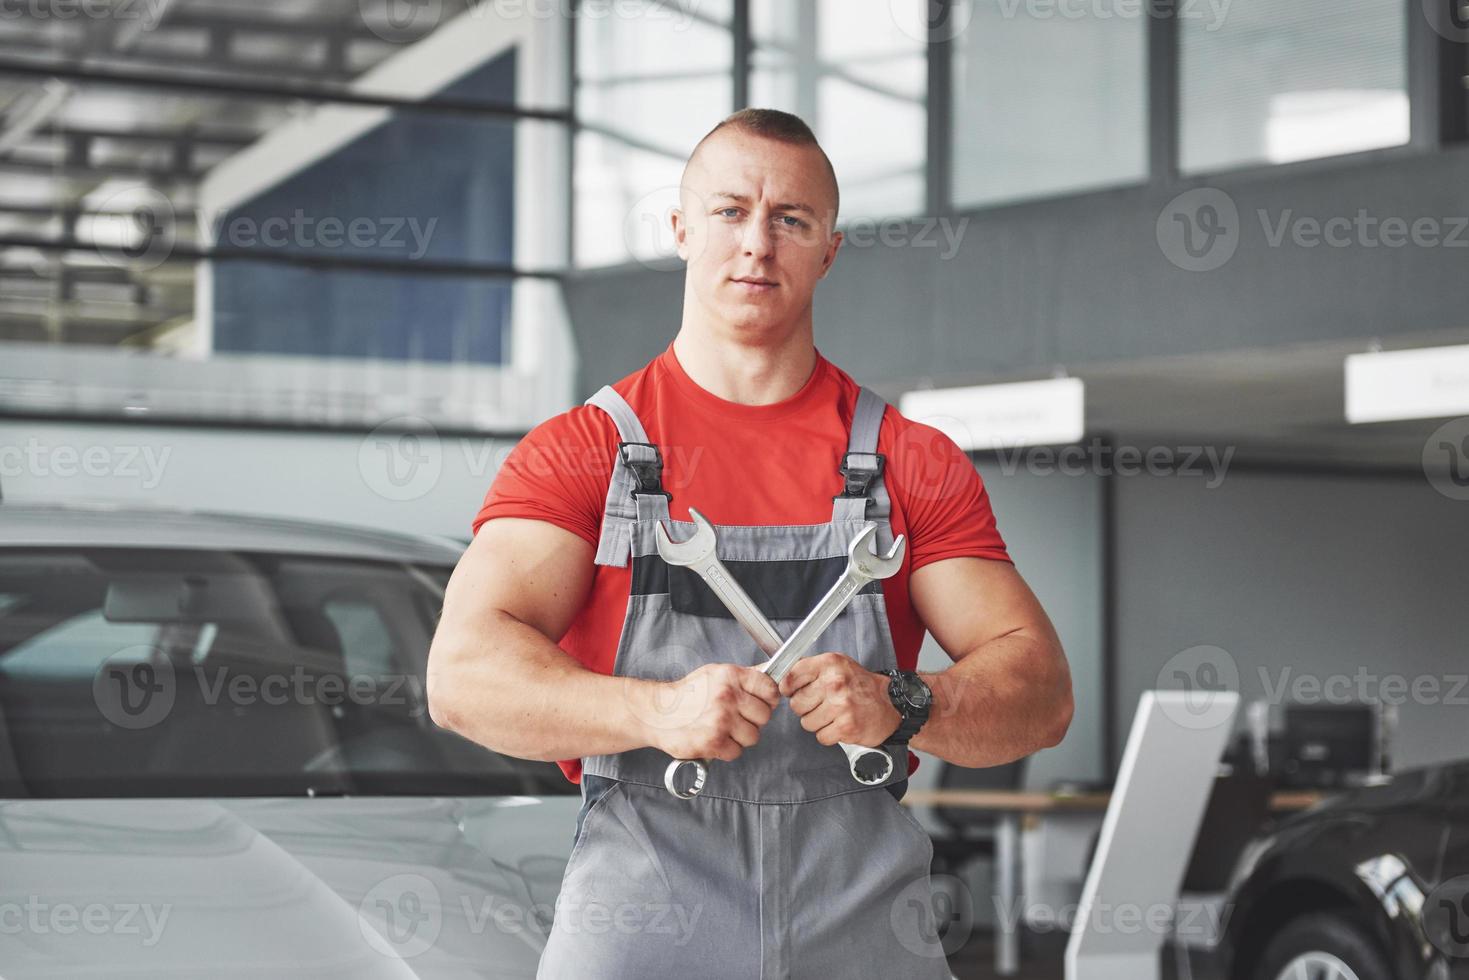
[783, 866]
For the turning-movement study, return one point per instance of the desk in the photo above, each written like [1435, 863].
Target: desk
[1009, 806]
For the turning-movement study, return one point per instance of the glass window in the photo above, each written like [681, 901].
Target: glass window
[1274, 82]
[652, 79]
[1049, 98]
[199, 673]
[849, 68]
[109, 189]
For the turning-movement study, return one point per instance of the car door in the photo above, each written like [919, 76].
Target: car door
[1446, 912]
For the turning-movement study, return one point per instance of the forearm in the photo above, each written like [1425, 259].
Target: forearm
[1005, 700]
[511, 689]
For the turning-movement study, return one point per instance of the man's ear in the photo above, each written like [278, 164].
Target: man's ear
[831, 253]
[680, 232]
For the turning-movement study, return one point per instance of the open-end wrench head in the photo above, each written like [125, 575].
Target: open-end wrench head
[699, 545]
[873, 565]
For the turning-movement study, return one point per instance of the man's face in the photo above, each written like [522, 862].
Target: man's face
[755, 227]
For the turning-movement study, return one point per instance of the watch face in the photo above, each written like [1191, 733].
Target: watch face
[914, 691]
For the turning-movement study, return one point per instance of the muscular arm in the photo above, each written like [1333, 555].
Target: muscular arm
[1008, 693]
[495, 673]
[497, 676]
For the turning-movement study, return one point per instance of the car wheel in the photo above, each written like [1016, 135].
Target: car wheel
[1322, 947]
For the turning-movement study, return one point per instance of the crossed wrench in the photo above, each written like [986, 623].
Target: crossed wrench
[868, 765]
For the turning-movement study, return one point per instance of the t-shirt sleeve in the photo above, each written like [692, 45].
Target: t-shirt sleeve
[558, 473]
[944, 500]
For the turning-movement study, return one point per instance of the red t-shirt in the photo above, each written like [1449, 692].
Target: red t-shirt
[743, 464]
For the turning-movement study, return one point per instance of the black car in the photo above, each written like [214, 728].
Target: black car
[1369, 885]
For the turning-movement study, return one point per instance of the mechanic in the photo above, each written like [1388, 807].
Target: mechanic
[565, 636]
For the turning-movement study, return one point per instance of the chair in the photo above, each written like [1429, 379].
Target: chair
[970, 833]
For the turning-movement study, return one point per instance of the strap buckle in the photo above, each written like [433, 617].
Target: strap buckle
[859, 475]
[647, 472]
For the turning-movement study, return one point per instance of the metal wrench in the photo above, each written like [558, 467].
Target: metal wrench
[684, 778]
[869, 766]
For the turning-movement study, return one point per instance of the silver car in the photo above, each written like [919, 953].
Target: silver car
[216, 760]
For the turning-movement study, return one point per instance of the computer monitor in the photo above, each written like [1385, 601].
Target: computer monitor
[1326, 746]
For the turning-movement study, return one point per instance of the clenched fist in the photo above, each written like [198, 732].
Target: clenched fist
[838, 700]
[714, 712]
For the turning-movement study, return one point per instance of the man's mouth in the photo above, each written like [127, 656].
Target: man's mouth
[755, 282]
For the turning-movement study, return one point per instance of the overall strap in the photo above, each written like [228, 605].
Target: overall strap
[636, 488]
[864, 497]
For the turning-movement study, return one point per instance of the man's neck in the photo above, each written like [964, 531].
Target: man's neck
[746, 374]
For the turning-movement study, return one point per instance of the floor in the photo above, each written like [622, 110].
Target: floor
[1041, 958]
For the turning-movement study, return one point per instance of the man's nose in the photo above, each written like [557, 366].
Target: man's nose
[759, 240]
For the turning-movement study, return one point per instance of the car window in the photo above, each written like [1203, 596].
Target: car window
[137, 672]
[78, 646]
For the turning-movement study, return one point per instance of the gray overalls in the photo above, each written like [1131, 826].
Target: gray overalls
[783, 866]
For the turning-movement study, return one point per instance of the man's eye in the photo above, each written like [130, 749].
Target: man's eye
[726, 211]
[794, 221]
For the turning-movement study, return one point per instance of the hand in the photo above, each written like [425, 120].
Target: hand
[714, 712]
[838, 700]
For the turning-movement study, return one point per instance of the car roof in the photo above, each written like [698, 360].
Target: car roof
[129, 525]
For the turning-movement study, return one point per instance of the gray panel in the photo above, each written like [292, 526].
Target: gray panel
[1084, 279]
[1299, 577]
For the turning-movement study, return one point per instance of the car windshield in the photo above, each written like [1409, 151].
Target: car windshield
[134, 673]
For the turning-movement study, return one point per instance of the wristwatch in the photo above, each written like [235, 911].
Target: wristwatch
[912, 697]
